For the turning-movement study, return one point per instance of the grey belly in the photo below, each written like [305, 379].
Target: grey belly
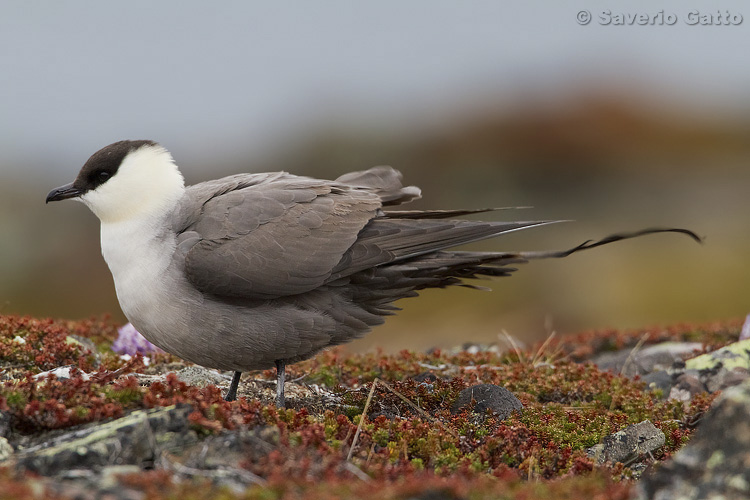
[243, 336]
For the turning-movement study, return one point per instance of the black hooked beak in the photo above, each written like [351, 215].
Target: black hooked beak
[63, 193]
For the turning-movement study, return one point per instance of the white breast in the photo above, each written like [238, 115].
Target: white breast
[138, 253]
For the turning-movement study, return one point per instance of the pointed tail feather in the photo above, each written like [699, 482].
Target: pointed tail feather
[586, 245]
[441, 214]
[378, 286]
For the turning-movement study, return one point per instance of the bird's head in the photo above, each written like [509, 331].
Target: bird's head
[125, 180]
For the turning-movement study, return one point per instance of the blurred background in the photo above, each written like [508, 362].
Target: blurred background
[480, 103]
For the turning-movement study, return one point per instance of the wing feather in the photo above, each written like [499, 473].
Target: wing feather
[265, 236]
[262, 236]
[386, 240]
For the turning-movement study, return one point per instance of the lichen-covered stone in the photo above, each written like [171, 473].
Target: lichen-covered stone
[134, 439]
[628, 445]
[714, 463]
[736, 355]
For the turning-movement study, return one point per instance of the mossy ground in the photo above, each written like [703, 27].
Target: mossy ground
[409, 443]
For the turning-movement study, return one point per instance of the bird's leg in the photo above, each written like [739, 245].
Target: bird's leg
[280, 373]
[232, 392]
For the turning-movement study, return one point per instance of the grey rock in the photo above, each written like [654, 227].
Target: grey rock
[646, 360]
[659, 381]
[135, 439]
[229, 448]
[637, 470]
[201, 377]
[689, 382]
[611, 361]
[735, 376]
[216, 457]
[714, 463]
[61, 372]
[628, 445]
[686, 386]
[724, 378]
[488, 397]
[717, 370]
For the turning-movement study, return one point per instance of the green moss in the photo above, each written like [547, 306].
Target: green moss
[417, 463]
[380, 437]
[15, 399]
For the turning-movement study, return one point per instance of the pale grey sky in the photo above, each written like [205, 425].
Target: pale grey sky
[229, 77]
[240, 80]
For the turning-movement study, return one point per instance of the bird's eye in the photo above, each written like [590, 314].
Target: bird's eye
[103, 176]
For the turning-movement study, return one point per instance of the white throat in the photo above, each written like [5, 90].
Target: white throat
[135, 207]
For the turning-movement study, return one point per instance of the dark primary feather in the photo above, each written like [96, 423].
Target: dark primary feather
[386, 240]
[267, 236]
[440, 214]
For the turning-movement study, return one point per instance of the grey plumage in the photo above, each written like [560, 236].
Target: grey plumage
[323, 254]
[256, 270]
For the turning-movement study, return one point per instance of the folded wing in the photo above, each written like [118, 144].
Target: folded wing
[264, 236]
[280, 236]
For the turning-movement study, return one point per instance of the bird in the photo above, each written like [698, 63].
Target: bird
[252, 271]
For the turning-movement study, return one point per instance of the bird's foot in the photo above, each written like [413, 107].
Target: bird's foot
[280, 375]
[232, 392]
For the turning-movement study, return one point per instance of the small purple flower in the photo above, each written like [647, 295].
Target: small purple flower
[745, 333]
[130, 342]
